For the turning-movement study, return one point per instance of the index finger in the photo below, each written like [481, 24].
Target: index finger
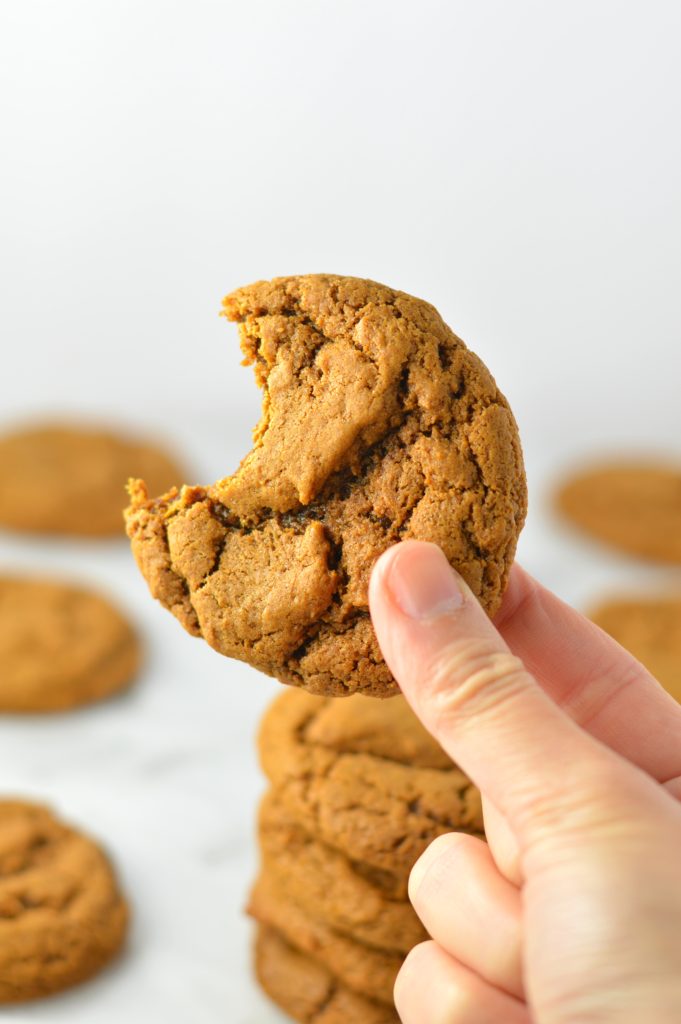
[478, 699]
[591, 677]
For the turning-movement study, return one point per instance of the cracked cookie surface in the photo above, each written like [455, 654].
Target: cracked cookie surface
[61, 646]
[365, 778]
[62, 917]
[378, 424]
[70, 479]
[632, 506]
[308, 991]
[650, 628]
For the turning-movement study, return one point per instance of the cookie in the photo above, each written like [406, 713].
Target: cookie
[61, 646]
[365, 778]
[378, 424]
[68, 479]
[651, 630]
[365, 905]
[307, 991]
[632, 506]
[368, 971]
[62, 917]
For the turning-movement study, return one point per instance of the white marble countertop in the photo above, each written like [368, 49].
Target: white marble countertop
[515, 164]
[166, 776]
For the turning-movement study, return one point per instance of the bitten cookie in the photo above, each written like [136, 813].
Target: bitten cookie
[61, 646]
[68, 479]
[378, 424]
[366, 905]
[307, 991]
[651, 630]
[62, 917]
[368, 971]
[365, 778]
[635, 507]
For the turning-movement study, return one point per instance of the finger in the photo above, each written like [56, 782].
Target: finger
[503, 845]
[469, 909]
[433, 988]
[481, 704]
[673, 787]
[587, 673]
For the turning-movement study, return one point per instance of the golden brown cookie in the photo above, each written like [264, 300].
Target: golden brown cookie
[62, 917]
[60, 646]
[378, 424]
[68, 479]
[651, 630]
[357, 901]
[370, 972]
[307, 991]
[365, 778]
[633, 506]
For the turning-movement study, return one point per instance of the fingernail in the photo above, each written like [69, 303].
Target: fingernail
[436, 860]
[422, 583]
[418, 873]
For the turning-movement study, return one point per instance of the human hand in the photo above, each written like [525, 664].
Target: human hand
[572, 913]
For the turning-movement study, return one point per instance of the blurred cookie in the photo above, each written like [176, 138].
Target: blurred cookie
[60, 646]
[64, 479]
[651, 630]
[366, 905]
[633, 506]
[62, 917]
[378, 424]
[365, 778]
[307, 991]
[370, 972]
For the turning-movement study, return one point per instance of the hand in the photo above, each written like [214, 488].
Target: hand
[573, 912]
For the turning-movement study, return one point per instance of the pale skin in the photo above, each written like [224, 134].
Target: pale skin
[572, 913]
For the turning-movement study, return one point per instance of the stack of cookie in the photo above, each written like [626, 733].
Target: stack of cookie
[358, 790]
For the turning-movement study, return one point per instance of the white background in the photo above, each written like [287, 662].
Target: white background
[517, 164]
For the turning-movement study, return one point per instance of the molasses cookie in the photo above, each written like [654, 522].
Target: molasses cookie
[368, 906]
[370, 972]
[60, 646]
[307, 991]
[364, 778]
[378, 424]
[67, 479]
[651, 630]
[633, 506]
[62, 917]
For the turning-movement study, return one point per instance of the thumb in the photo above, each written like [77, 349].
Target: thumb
[479, 701]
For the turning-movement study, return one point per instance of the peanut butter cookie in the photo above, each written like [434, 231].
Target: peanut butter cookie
[378, 424]
[651, 630]
[66, 479]
[61, 646]
[633, 506]
[62, 917]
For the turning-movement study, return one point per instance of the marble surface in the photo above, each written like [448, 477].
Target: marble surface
[512, 163]
[167, 777]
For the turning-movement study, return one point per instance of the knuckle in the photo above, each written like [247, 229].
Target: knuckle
[466, 680]
[408, 982]
[593, 798]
